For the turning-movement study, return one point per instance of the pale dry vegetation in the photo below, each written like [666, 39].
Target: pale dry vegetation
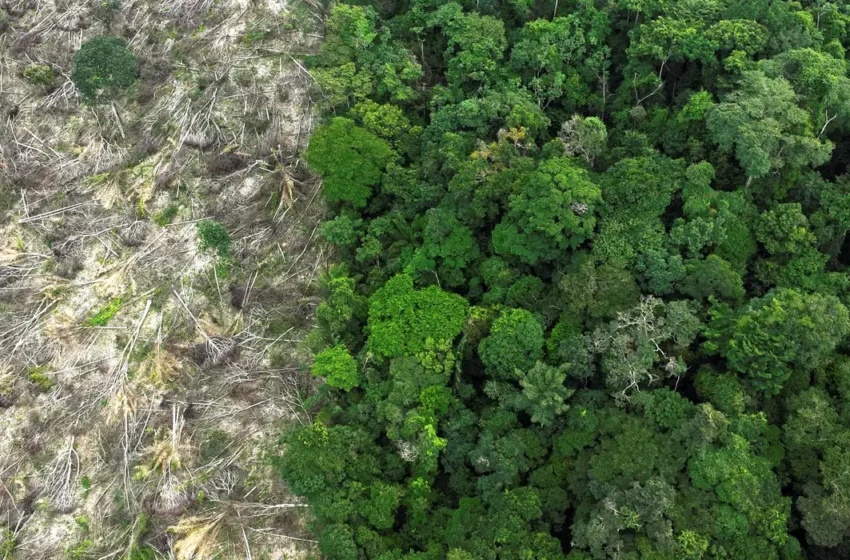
[146, 376]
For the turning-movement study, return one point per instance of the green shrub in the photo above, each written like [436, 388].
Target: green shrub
[103, 68]
[39, 378]
[214, 236]
[7, 543]
[214, 445]
[39, 74]
[254, 37]
[79, 551]
[102, 317]
[137, 551]
[166, 216]
[82, 522]
[144, 553]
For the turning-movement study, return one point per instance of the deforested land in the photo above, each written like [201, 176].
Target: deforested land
[159, 273]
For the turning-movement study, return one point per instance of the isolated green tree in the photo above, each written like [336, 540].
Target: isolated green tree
[104, 67]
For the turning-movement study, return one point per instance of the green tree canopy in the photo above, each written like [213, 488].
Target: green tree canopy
[402, 319]
[338, 367]
[553, 210]
[765, 126]
[514, 345]
[350, 159]
[104, 67]
[589, 283]
[773, 334]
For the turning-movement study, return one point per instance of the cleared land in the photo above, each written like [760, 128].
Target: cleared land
[147, 362]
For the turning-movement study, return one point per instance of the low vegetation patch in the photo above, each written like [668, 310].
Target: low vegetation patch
[214, 237]
[102, 317]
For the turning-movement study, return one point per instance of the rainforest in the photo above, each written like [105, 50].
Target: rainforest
[589, 282]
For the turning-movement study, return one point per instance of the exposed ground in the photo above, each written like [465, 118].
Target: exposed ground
[144, 379]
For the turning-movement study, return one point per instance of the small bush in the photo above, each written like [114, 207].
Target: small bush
[40, 379]
[102, 317]
[82, 550]
[137, 551]
[144, 553]
[39, 75]
[166, 216]
[82, 522]
[254, 37]
[214, 236]
[7, 543]
[103, 68]
[215, 445]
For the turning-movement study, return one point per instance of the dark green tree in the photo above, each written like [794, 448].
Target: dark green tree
[712, 277]
[554, 210]
[514, 345]
[771, 335]
[104, 67]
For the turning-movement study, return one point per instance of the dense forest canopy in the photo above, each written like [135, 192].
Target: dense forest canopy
[590, 290]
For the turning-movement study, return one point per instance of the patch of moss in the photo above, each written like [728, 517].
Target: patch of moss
[213, 236]
[102, 317]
